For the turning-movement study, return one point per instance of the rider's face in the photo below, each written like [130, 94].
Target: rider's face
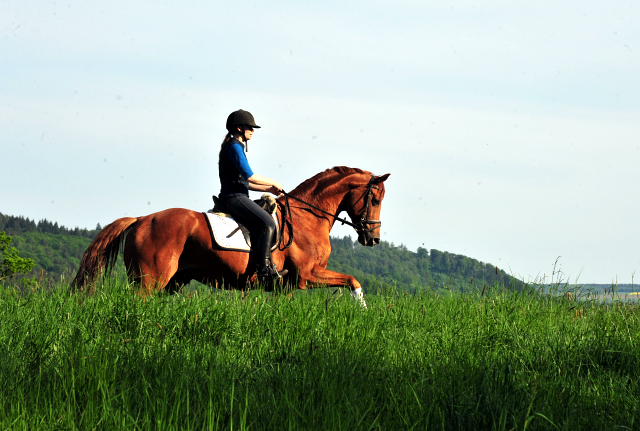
[248, 132]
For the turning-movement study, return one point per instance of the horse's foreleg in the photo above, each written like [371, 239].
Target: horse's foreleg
[322, 277]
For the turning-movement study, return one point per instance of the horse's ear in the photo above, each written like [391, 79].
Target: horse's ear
[381, 179]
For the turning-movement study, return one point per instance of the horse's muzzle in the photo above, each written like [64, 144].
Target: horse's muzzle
[368, 240]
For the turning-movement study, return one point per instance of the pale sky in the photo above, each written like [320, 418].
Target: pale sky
[511, 129]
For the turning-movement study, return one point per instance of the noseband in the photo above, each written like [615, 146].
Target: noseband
[360, 226]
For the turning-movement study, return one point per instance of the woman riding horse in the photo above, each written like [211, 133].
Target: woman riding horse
[236, 179]
[167, 249]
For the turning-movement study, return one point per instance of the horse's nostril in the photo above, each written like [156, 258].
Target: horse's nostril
[376, 241]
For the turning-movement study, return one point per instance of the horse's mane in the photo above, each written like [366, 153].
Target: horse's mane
[337, 171]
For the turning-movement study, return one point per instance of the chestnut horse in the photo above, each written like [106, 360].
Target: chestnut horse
[168, 249]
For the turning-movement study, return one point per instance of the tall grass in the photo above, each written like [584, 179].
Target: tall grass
[316, 360]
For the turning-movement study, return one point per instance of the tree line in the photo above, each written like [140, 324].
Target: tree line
[12, 225]
[53, 249]
[376, 267]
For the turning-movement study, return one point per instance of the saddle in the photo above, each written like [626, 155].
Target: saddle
[228, 234]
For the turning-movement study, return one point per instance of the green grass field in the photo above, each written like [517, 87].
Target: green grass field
[316, 361]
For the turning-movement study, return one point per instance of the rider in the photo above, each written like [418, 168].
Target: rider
[236, 179]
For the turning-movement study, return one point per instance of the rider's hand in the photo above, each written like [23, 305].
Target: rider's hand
[276, 189]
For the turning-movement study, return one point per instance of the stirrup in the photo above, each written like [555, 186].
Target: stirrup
[278, 274]
[270, 273]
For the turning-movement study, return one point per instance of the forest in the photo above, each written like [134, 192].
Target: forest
[57, 250]
[437, 270]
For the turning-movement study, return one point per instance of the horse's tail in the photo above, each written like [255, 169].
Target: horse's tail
[102, 253]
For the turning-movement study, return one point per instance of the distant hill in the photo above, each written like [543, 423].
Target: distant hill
[57, 250]
[619, 288]
[438, 270]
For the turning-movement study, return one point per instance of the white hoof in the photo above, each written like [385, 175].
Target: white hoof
[358, 296]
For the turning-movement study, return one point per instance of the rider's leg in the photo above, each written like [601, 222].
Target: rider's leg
[261, 228]
[261, 245]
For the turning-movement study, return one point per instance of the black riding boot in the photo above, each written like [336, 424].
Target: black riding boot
[266, 270]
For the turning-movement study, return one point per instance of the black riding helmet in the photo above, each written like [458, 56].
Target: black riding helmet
[240, 118]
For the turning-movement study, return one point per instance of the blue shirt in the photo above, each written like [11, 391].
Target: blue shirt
[236, 155]
[234, 170]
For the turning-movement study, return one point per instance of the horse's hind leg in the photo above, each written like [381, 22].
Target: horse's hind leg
[156, 275]
[149, 268]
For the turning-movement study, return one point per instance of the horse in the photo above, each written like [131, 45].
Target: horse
[166, 250]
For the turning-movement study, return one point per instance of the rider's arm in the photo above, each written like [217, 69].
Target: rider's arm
[264, 184]
[256, 182]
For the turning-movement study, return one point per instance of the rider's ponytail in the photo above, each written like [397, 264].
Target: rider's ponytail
[224, 141]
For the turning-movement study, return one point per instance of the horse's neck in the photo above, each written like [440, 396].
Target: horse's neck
[327, 195]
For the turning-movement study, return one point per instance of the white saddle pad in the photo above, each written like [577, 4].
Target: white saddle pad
[228, 234]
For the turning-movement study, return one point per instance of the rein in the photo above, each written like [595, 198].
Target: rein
[359, 227]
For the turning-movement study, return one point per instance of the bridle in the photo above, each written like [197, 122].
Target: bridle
[360, 227]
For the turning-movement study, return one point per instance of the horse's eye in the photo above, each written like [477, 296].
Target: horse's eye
[375, 202]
